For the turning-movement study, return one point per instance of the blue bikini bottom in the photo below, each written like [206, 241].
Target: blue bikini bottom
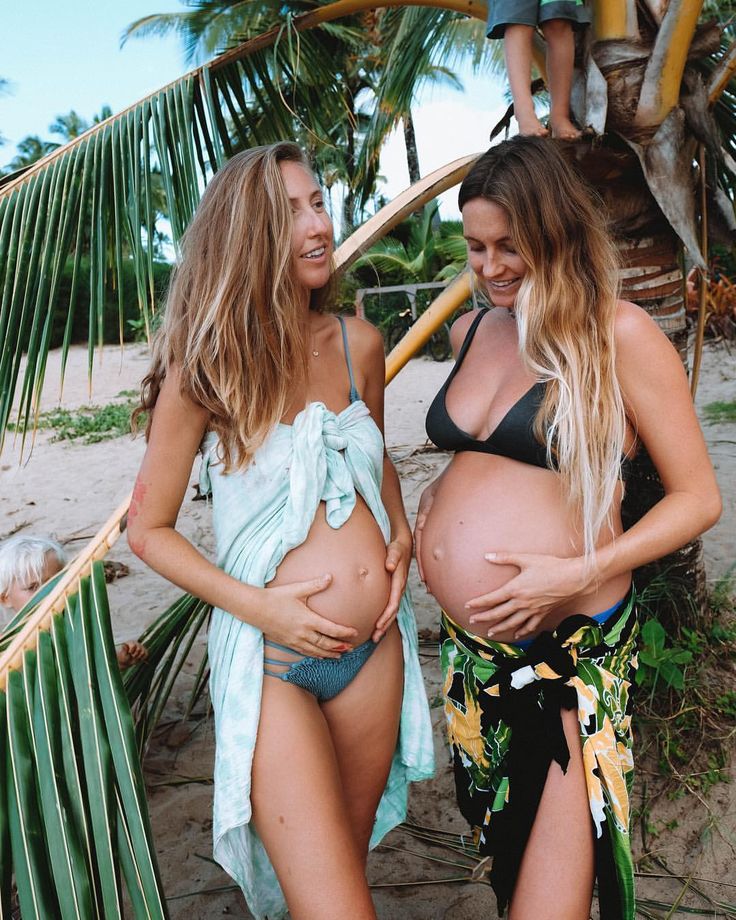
[322, 677]
[598, 617]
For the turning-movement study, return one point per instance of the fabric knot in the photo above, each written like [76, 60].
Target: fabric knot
[523, 676]
[333, 435]
[534, 712]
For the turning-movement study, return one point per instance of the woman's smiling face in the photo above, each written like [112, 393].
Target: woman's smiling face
[311, 239]
[491, 251]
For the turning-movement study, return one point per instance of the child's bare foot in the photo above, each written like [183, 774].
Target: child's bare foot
[531, 126]
[563, 129]
[131, 653]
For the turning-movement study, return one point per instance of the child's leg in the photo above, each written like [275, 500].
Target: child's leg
[560, 61]
[517, 48]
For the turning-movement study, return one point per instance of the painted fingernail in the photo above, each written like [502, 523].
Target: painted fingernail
[490, 633]
[490, 556]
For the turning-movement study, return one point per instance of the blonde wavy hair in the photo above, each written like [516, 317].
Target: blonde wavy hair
[565, 313]
[233, 322]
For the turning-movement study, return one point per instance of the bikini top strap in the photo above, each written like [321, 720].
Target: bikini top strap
[354, 394]
[469, 336]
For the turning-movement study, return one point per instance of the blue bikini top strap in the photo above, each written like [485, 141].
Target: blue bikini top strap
[354, 394]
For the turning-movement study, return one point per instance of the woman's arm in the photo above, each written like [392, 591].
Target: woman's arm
[659, 406]
[176, 432]
[657, 395]
[372, 367]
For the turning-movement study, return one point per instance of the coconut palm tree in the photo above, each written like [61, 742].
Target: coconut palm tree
[418, 45]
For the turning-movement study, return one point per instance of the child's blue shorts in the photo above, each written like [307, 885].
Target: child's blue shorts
[502, 13]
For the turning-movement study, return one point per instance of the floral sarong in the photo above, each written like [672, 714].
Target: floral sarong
[502, 705]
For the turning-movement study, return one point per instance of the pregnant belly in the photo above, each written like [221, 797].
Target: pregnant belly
[355, 556]
[492, 504]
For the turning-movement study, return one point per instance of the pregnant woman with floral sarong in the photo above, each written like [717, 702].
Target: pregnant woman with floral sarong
[320, 713]
[520, 540]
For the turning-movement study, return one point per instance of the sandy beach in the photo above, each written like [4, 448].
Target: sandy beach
[69, 490]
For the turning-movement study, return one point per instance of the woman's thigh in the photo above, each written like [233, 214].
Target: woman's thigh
[299, 809]
[556, 876]
[364, 724]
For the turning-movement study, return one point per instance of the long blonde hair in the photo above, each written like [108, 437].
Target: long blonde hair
[233, 323]
[565, 313]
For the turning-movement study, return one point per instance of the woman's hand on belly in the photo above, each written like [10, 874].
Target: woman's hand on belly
[292, 623]
[398, 557]
[521, 604]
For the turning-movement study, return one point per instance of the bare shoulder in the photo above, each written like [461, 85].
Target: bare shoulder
[459, 329]
[635, 331]
[631, 323]
[177, 405]
[365, 340]
[644, 354]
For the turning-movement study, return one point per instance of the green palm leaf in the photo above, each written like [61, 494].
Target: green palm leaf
[74, 811]
[30, 858]
[73, 888]
[5, 850]
[169, 640]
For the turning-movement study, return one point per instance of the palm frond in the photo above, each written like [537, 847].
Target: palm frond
[169, 641]
[74, 816]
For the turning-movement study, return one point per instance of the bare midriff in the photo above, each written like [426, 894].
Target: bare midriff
[486, 503]
[355, 556]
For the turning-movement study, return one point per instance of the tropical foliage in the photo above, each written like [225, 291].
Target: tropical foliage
[74, 823]
[376, 77]
[420, 249]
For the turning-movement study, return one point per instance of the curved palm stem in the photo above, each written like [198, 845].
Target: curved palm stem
[722, 75]
[660, 90]
[615, 19]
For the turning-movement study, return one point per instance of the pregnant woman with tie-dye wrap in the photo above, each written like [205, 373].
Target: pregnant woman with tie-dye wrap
[320, 714]
[555, 385]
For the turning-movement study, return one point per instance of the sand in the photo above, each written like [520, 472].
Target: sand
[69, 489]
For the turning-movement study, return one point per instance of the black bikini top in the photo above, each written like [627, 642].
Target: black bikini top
[514, 435]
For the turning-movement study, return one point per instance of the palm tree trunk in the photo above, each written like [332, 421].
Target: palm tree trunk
[412, 154]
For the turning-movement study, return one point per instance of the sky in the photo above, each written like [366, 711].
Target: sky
[62, 56]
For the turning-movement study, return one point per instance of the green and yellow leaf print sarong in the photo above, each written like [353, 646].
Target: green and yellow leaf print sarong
[502, 705]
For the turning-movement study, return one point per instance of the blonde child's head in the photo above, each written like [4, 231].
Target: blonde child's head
[26, 563]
